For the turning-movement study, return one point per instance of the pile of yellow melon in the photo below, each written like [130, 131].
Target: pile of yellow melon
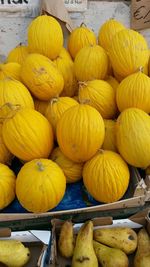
[68, 113]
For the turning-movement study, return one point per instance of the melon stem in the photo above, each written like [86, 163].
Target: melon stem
[54, 100]
[83, 25]
[83, 101]
[101, 151]
[8, 78]
[141, 68]
[12, 108]
[81, 84]
[40, 166]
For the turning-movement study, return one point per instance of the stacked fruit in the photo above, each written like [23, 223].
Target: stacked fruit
[65, 114]
[108, 246]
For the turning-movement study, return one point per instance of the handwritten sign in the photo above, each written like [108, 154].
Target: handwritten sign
[9, 2]
[19, 8]
[140, 14]
[76, 5]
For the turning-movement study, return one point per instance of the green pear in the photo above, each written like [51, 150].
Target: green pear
[84, 254]
[142, 257]
[121, 238]
[110, 257]
[66, 240]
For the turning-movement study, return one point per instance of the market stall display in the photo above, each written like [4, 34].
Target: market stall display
[78, 128]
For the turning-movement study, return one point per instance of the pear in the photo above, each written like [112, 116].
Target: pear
[84, 254]
[142, 257]
[121, 238]
[13, 253]
[110, 257]
[66, 240]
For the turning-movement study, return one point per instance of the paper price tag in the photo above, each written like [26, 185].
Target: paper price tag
[140, 14]
[20, 8]
[76, 5]
[15, 2]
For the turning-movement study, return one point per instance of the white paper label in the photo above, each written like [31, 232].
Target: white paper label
[16, 2]
[30, 236]
[116, 223]
[76, 5]
[19, 8]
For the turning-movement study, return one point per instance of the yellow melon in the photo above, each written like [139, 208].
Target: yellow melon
[41, 106]
[117, 76]
[11, 70]
[128, 51]
[133, 138]
[18, 54]
[100, 95]
[107, 31]
[5, 155]
[71, 169]
[43, 189]
[110, 136]
[91, 63]
[80, 37]
[134, 92]
[80, 132]
[7, 186]
[113, 82]
[106, 176]
[42, 77]
[149, 64]
[27, 134]
[15, 93]
[45, 36]
[56, 108]
[64, 64]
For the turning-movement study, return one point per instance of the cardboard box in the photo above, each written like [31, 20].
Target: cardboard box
[136, 222]
[147, 182]
[36, 241]
[134, 197]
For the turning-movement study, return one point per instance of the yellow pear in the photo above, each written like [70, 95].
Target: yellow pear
[142, 257]
[13, 253]
[121, 238]
[84, 254]
[110, 257]
[66, 240]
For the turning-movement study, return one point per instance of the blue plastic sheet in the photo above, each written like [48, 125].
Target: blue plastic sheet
[76, 196]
